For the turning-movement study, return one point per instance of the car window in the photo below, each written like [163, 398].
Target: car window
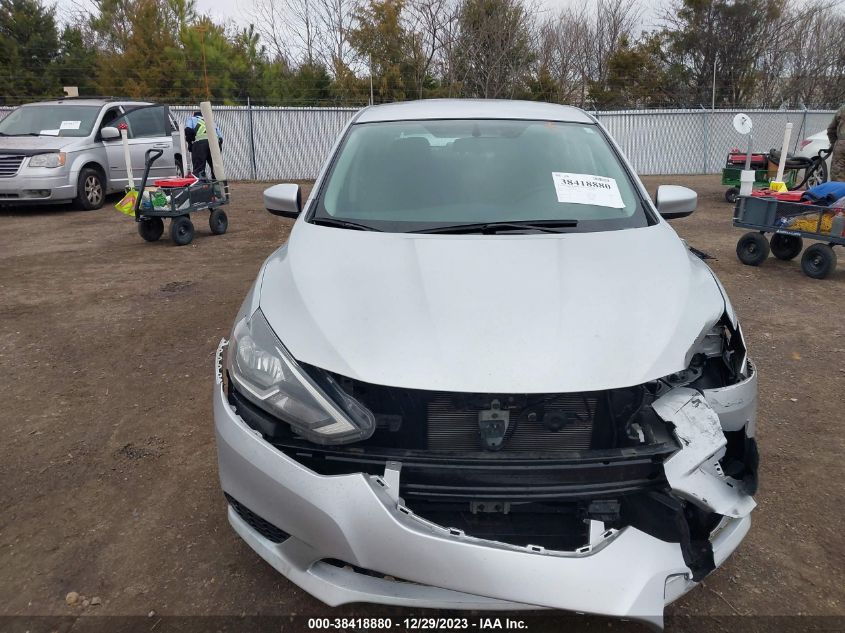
[109, 117]
[50, 120]
[415, 175]
[144, 122]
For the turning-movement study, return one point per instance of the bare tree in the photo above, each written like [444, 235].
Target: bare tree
[494, 47]
[335, 19]
[428, 24]
[269, 19]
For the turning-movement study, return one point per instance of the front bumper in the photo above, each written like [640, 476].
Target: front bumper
[22, 188]
[359, 520]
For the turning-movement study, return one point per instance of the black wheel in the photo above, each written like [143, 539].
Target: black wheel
[731, 195]
[786, 246]
[90, 190]
[218, 222]
[752, 249]
[181, 230]
[818, 175]
[818, 261]
[151, 229]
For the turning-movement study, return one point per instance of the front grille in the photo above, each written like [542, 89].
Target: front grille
[10, 164]
[452, 428]
[262, 526]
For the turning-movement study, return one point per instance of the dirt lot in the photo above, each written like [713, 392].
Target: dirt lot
[107, 464]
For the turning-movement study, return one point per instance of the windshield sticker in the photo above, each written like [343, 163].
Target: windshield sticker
[48, 133]
[587, 189]
[70, 125]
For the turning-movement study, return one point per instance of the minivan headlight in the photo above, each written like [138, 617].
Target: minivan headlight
[267, 375]
[47, 160]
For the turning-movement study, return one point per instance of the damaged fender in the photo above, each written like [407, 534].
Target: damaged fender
[694, 472]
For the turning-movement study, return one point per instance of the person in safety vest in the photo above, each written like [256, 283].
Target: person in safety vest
[196, 136]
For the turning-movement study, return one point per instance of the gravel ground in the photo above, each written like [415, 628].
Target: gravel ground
[107, 465]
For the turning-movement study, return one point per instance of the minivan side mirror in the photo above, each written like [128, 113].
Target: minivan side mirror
[284, 200]
[673, 201]
[109, 133]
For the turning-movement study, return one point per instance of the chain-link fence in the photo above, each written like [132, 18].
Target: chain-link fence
[268, 143]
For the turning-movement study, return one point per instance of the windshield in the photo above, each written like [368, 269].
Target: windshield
[424, 175]
[50, 120]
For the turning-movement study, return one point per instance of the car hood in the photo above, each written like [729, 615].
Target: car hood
[539, 313]
[31, 145]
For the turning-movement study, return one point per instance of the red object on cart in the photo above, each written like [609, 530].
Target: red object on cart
[170, 183]
[783, 196]
[758, 161]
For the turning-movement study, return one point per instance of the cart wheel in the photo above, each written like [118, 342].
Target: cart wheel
[818, 261]
[181, 230]
[218, 222]
[786, 246]
[731, 195]
[752, 249]
[151, 229]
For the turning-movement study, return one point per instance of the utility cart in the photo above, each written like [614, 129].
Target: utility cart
[789, 223]
[735, 163]
[178, 198]
[765, 165]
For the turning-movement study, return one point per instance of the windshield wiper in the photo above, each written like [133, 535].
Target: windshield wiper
[343, 224]
[545, 226]
[22, 134]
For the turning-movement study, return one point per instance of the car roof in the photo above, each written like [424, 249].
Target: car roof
[89, 102]
[427, 109]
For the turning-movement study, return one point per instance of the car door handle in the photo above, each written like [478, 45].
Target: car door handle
[161, 145]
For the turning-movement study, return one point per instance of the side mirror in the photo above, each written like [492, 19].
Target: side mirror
[673, 201]
[109, 133]
[284, 200]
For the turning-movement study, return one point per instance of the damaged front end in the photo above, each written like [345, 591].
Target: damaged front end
[558, 474]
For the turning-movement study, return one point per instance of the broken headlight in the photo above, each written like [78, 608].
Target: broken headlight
[266, 374]
[718, 358]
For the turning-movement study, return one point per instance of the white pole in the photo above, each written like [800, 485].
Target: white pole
[786, 134]
[125, 140]
[213, 145]
[183, 148]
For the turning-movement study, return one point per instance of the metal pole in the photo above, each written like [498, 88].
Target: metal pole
[713, 94]
[371, 80]
[706, 133]
[251, 138]
[800, 130]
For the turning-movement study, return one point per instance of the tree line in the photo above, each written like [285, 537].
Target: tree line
[601, 55]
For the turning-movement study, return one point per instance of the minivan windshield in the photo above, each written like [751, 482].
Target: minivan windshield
[50, 120]
[443, 175]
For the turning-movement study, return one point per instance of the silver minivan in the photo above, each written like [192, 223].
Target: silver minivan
[69, 150]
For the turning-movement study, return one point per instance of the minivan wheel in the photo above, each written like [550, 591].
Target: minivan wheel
[752, 249]
[90, 190]
[786, 247]
[818, 261]
[151, 229]
[181, 230]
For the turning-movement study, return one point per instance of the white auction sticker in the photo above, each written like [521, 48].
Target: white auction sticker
[70, 125]
[587, 189]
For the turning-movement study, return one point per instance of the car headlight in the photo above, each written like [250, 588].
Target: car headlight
[266, 374]
[48, 160]
[719, 353]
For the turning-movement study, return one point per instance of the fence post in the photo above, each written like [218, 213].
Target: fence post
[801, 130]
[705, 127]
[251, 139]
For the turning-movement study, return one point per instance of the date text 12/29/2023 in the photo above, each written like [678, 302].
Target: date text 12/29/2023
[418, 624]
